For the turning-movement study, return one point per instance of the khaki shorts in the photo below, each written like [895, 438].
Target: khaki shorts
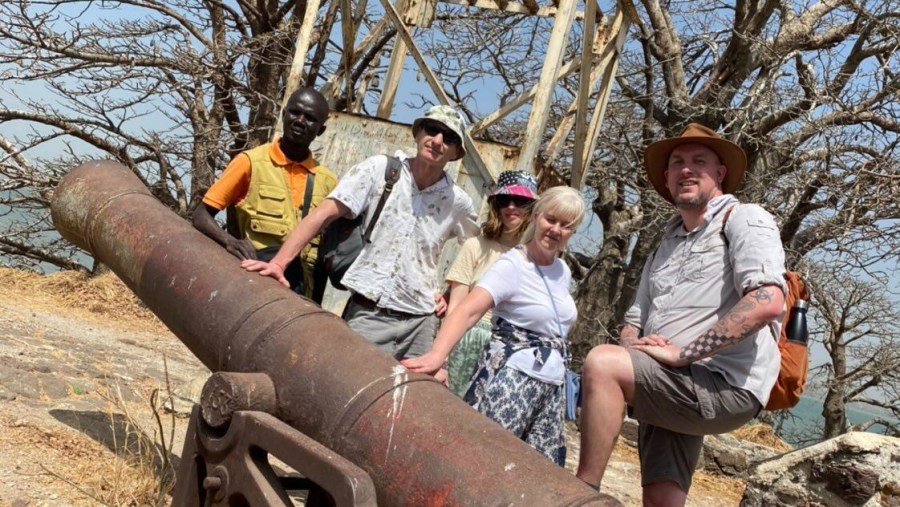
[675, 408]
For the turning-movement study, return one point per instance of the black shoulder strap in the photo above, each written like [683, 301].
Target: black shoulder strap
[392, 172]
[307, 195]
[391, 175]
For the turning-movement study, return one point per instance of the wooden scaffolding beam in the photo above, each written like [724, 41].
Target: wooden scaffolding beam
[587, 148]
[540, 108]
[584, 87]
[596, 66]
[572, 66]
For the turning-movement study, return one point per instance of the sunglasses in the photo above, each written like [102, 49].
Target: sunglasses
[433, 129]
[502, 201]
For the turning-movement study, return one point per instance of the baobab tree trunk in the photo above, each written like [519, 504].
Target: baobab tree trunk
[834, 409]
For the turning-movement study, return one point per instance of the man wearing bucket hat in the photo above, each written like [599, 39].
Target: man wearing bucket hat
[393, 281]
[697, 354]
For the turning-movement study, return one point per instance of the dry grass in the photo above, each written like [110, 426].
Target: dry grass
[728, 490]
[70, 461]
[143, 475]
[101, 298]
[138, 470]
[140, 473]
[762, 434]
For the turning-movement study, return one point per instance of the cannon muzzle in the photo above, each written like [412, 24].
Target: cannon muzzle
[419, 443]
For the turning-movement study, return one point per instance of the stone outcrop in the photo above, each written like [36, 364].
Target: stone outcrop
[731, 456]
[855, 469]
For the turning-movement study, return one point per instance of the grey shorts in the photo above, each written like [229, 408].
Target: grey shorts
[675, 408]
[399, 336]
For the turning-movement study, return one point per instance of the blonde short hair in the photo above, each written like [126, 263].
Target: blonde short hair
[563, 202]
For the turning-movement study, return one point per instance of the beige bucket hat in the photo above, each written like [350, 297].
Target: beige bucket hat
[451, 118]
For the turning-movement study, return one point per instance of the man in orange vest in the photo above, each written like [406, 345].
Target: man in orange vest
[698, 353]
[272, 187]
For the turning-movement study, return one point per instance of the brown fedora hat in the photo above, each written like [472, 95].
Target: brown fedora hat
[656, 157]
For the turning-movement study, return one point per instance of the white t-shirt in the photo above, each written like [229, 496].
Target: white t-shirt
[521, 298]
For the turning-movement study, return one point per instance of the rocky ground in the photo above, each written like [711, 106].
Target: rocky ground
[82, 375]
[75, 391]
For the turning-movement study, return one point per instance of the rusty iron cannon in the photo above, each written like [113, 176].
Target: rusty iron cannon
[292, 381]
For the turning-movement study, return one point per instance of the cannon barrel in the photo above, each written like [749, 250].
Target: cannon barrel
[419, 443]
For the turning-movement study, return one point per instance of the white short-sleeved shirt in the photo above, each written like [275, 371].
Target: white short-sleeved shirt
[694, 279]
[397, 269]
[521, 298]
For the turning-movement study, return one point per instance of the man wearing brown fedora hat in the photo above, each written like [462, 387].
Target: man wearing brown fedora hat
[393, 281]
[697, 354]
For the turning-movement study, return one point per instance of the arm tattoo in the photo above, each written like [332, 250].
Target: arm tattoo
[762, 295]
[718, 337]
[628, 335]
[708, 344]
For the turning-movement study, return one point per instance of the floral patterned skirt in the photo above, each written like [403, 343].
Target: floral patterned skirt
[531, 409]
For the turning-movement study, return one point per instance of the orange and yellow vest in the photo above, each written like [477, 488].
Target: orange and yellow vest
[267, 215]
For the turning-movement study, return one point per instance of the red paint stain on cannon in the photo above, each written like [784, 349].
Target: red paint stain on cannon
[432, 498]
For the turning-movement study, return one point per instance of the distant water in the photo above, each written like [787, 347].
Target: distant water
[808, 415]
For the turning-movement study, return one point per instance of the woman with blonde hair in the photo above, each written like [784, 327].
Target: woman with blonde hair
[510, 207]
[519, 381]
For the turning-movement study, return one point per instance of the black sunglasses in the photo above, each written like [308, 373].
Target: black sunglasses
[433, 129]
[502, 201]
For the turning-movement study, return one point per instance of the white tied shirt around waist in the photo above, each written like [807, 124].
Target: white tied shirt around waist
[520, 297]
[397, 270]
